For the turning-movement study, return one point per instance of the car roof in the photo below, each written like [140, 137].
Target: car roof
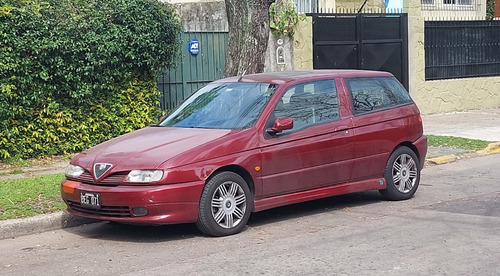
[287, 76]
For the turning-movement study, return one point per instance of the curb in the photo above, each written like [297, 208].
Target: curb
[490, 149]
[443, 159]
[12, 228]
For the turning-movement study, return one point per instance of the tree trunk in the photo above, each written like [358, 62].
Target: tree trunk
[248, 22]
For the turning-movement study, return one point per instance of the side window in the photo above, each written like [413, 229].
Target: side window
[309, 104]
[371, 94]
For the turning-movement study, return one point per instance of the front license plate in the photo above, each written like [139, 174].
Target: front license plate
[90, 199]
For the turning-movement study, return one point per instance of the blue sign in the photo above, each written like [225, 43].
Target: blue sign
[194, 46]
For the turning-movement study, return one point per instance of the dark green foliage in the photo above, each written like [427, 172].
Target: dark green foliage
[74, 73]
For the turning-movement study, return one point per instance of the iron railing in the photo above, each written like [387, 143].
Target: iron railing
[462, 49]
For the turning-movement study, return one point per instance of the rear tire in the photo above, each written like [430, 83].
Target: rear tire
[225, 205]
[402, 175]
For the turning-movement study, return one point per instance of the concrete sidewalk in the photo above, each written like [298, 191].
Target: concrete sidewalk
[478, 124]
[474, 124]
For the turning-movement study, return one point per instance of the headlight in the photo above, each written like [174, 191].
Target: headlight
[144, 176]
[73, 171]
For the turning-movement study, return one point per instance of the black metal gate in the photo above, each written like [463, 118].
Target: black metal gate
[362, 41]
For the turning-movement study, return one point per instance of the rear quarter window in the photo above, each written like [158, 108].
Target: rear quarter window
[378, 93]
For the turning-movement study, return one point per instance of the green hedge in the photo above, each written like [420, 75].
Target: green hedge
[74, 73]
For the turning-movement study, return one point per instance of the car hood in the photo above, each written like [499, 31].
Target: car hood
[146, 148]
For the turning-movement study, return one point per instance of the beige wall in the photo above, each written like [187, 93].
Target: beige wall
[458, 95]
[303, 45]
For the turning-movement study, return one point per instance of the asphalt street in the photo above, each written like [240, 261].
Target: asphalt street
[450, 227]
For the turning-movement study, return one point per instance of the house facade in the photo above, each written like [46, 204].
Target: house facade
[432, 96]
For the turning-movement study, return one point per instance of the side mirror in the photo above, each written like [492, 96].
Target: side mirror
[281, 124]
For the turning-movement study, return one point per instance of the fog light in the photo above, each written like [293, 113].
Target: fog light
[139, 211]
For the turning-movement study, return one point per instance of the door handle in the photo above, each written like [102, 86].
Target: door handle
[342, 128]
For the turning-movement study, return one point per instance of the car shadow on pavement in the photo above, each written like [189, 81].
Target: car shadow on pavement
[152, 234]
[329, 204]
[135, 233]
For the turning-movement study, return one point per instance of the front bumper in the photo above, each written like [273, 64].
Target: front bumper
[165, 204]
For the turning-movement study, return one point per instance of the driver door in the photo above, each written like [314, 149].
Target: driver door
[317, 151]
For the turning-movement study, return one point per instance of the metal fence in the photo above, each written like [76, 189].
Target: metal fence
[193, 70]
[461, 49]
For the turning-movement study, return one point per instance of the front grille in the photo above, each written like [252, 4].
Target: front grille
[114, 179]
[107, 211]
[84, 178]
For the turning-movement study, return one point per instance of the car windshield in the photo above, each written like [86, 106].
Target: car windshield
[222, 105]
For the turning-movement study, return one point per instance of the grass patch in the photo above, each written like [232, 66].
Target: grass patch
[31, 196]
[456, 142]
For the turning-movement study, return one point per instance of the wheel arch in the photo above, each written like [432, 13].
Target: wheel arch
[409, 145]
[239, 171]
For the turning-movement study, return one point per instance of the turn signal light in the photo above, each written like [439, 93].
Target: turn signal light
[69, 186]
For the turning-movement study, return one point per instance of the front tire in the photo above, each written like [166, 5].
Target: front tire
[225, 205]
[402, 175]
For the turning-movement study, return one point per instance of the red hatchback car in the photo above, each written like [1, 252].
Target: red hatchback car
[245, 144]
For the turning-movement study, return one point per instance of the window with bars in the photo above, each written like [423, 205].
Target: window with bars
[306, 6]
[449, 4]
[457, 2]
